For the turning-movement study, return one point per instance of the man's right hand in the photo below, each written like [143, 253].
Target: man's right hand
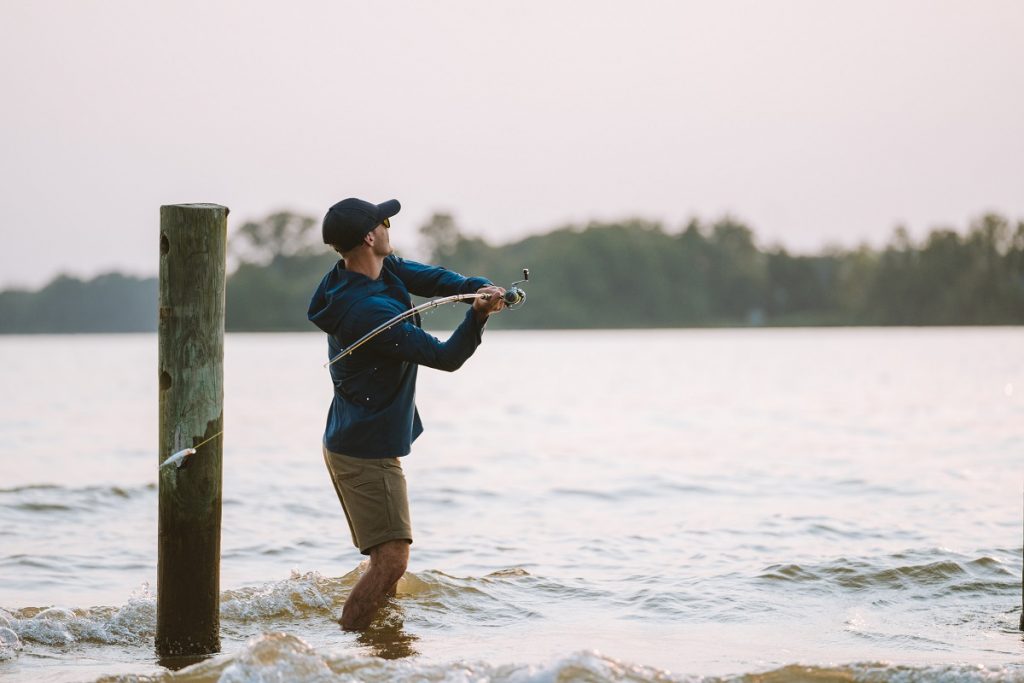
[494, 302]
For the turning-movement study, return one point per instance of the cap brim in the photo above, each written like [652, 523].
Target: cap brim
[388, 209]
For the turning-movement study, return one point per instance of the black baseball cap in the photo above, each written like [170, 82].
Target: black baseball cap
[348, 221]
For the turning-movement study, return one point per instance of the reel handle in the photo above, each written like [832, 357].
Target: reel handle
[514, 295]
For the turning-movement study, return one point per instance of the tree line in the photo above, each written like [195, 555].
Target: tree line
[635, 274]
[624, 274]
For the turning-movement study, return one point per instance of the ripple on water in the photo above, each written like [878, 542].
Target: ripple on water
[934, 573]
[499, 598]
[43, 499]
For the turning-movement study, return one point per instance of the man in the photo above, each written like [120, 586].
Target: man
[373, 419]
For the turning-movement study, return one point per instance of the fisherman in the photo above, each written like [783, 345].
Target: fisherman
[373, 419]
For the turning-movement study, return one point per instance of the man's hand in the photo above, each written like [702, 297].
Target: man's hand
[484, 306]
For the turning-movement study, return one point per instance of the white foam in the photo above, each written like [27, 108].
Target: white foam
[275, 657]
[9, 641]
[132, 623]
[295, 596]
[290, 659]
[135, 621]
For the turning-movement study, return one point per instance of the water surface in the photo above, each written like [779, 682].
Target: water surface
[628, 505]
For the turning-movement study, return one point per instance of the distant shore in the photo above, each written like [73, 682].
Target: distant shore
[631, 274]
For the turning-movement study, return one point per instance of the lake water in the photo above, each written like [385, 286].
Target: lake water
[633, 505]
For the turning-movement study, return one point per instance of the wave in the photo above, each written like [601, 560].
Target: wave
[490, 599]
[134, 623]
[116, 491]
[258, 616]
[130, 624]
[10, 643]
[52, 498]
[511, 596]
[284, 657]
[936, 572]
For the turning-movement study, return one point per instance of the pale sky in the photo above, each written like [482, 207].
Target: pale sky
[814, 121]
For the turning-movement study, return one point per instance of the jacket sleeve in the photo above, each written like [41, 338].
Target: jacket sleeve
[428, 281]
[407, 342]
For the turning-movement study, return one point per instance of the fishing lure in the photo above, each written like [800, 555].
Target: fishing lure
[180, 459]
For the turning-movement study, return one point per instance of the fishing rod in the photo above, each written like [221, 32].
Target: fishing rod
[514, 297]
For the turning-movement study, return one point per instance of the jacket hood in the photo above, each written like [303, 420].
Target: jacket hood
[335, 295]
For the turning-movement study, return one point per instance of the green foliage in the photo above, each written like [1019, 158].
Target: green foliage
[279, 234]
[440, 235]
[604, 274]
[281, 261]
[274, 297]
[634, 274]
[107, 303]
[950, 279]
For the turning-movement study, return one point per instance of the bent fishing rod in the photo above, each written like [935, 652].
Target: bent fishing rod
[514, 297]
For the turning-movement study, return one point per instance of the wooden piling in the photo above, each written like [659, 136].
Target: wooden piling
[193, 247]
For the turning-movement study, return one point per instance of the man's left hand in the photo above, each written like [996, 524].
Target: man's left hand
[493, 303]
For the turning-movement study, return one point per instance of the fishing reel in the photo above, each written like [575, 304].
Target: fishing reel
[514, 296]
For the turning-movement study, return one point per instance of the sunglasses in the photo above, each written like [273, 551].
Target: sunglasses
[386, 223]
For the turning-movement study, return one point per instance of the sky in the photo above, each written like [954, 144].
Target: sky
[816, 122]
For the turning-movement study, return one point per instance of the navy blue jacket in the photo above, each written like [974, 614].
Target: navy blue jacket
[373, 414]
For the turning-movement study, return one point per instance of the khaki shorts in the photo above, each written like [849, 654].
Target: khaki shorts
[373, 495]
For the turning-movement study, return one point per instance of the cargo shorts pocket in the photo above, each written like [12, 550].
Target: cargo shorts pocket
[367, 499]
[374, 497]
[398, 498]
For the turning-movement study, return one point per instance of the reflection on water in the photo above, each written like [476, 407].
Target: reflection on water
[179, 662]
[386, 637]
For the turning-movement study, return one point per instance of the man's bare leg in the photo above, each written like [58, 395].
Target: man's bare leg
[387, 565]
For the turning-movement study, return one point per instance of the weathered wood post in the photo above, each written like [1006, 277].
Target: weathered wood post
[193, 248]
